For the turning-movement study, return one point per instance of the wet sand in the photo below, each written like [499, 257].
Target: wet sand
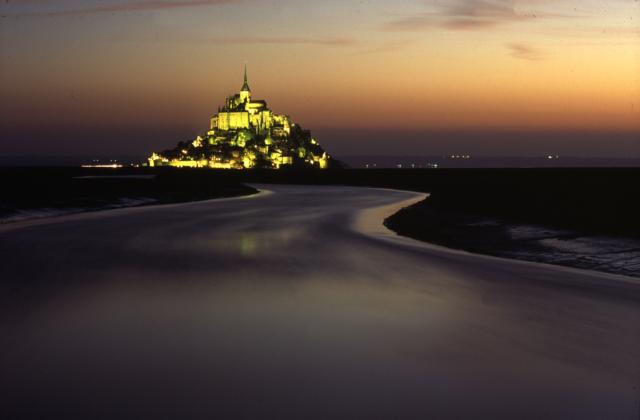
[459, 229]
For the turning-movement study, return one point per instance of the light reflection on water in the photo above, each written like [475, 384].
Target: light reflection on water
[315, 322]
[215, 348]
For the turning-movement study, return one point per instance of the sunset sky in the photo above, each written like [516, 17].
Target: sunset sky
[367, 77]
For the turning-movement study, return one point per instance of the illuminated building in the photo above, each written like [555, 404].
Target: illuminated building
[243, 134]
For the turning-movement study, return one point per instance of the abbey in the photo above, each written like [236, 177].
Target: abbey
[240, 111]
[244, 134]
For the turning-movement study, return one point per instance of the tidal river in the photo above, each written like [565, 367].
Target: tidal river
[297, 304]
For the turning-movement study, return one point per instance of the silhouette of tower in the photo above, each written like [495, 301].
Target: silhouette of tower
[245, 92]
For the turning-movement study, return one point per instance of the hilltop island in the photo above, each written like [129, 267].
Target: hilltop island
[245, 134]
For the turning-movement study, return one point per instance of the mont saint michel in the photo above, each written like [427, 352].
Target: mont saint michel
[244, 134]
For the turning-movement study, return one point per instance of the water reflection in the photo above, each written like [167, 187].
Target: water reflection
[259, 316]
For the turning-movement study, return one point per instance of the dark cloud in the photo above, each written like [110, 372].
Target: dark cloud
[53, 8]
[470, 15]
[525, 52]
[336, 42]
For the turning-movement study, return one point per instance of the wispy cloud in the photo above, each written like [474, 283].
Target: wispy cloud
[471, 15]
[59, 8]
[333, 42]
[384, 48]
[525, 52]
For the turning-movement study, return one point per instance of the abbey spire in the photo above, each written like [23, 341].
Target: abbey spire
[245, 92]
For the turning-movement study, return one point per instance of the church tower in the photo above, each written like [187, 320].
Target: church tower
[245, 92]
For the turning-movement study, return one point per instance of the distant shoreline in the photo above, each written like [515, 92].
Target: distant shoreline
[41, 193]
[353, 161]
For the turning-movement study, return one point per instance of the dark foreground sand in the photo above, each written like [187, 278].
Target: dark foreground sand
[464, 230]
[34, 193]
